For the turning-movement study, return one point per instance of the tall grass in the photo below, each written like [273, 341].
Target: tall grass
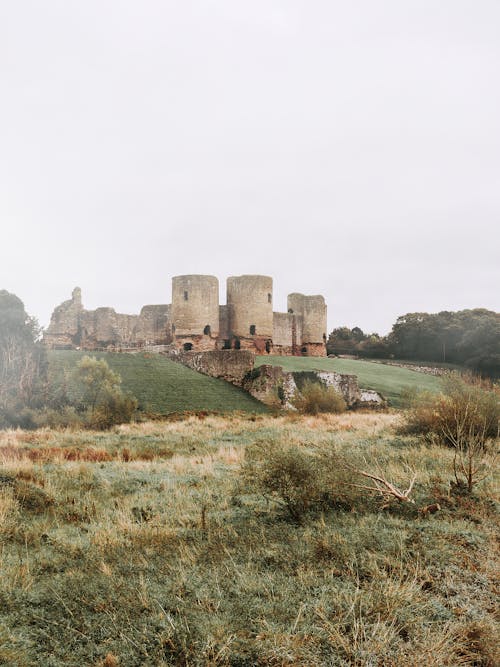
[168, 560]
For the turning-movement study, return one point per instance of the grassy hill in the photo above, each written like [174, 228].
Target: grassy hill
[388, 380]
[161, 385]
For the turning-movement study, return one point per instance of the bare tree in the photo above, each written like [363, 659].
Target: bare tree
[475, 451]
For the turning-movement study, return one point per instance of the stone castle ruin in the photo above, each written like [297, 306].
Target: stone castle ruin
[195, 321]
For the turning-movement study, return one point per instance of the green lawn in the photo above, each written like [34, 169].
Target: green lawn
[161, 385]
[388, 380]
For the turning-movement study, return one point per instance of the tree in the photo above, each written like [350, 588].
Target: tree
[344, 340]
[98, 381]
[469, 337]
[22, 359]
[102, 396]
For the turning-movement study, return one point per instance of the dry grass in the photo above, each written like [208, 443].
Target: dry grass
[158, 557]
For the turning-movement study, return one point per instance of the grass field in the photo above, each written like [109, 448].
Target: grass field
[139, 546]
[160, 385]
[388, 380]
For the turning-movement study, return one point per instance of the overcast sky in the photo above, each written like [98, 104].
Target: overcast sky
[349, 148]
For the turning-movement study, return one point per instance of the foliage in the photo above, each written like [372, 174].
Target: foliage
[288, 475]
[355, 342]
[98, 380]
[466, 416]
[467, 337]
[465, 402]
[22, 359]
[300, 479]
[102, 396]
[158, 562]
[115, 408]
[315, 397]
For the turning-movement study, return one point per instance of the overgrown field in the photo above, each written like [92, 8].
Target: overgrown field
[140, 546]
[390, 381]
[160, 385]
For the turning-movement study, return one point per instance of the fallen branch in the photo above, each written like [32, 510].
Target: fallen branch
[386, 489]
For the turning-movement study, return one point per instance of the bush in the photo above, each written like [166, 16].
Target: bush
[288, 475]
[315, 397]
[296, 479]
[103, 400]
[117, 408]
[466, 402]
[466, 416]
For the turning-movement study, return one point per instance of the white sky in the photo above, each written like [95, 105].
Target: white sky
[349, 148]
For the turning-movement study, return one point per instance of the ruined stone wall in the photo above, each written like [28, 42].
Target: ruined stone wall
[283, 329]
[224, 332]
[105, 327]
[153, 325]
[195, 321]
[250, 303]
[230, 365]
[195, 305]
[347, 385]
[64, 326]
[279, 388]
[271, 385]
[73, 326]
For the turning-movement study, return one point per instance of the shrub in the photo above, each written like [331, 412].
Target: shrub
[315, 397]
[466, 403]
[103, 400]
[465, 416]
[286, 474]
[117, 408]
[298, 480]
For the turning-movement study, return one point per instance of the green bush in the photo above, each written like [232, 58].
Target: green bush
[116, 408]
[104, 402]
[298, 480]
[288, 475]
[315, 397]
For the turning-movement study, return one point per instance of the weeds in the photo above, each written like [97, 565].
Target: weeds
[315, 397]
[128, 560]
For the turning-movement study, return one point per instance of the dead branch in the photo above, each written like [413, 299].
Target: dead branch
[386, 489]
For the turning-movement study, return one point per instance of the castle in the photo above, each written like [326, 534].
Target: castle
[195, 320]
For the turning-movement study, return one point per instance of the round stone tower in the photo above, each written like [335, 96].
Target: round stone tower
[312, 310]
[195, 306]
[250, 305]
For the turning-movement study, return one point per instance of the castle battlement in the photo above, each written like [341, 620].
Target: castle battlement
[196, 321]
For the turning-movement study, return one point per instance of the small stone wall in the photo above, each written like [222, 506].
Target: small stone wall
[271, 385]
[427, 370]
[278, 388]
[347, 385]
[230, 365]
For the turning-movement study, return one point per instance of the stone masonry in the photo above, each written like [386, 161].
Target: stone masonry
[195, 321]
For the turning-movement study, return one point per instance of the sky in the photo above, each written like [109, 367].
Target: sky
[347, 148]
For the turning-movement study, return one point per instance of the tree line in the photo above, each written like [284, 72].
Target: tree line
[467, 337]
